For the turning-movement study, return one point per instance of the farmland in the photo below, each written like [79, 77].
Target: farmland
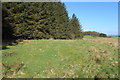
[86, 58]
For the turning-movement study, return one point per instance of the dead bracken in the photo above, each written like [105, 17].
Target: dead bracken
[8, 54]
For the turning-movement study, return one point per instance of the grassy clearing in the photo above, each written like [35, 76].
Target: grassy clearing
[92, 37]
[61, 58]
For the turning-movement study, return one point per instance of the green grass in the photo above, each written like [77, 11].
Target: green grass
[61, 58]
[93, 37]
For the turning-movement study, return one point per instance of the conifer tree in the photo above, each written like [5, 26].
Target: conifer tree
[75, 28]
[39, 20]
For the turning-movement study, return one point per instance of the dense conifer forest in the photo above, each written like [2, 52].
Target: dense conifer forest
[38, 20]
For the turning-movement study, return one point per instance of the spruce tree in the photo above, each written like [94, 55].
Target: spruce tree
[43, 20]
[75, 28]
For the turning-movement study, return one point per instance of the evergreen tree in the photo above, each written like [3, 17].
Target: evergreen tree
[43, 20]
[75, 28]
[7, 30]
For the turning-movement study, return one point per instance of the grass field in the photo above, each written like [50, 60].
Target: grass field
[87, 58]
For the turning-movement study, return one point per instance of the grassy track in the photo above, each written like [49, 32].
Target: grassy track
[61, 58]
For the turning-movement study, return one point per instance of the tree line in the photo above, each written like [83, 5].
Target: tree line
[38, 20]
[94, 34]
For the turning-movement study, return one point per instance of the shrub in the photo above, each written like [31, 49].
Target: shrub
[102, 35]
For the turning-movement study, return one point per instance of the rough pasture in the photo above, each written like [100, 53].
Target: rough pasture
[87, 58]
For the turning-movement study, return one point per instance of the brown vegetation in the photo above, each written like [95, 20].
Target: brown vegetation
[111, 41]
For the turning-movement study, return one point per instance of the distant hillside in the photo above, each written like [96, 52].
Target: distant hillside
[94, 33]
